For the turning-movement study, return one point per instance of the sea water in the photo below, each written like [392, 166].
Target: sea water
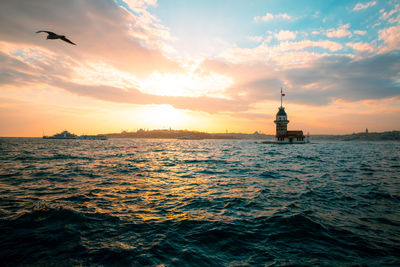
[136, 202]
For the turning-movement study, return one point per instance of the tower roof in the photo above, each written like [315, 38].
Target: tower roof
[281, 112]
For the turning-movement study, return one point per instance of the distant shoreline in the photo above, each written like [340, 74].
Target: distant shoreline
[383, 136]
[175, 134]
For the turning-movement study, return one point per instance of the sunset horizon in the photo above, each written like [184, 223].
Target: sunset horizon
[210, 66]
[227, 131]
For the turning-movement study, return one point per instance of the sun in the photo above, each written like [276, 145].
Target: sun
[163, 116]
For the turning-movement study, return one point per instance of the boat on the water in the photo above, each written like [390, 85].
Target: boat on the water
[62, 135]
[68, 135]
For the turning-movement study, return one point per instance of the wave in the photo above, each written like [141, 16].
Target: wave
[269, 174]
[51, 233]
[217, 203]
[51, 157]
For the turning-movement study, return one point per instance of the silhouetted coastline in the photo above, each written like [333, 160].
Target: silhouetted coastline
[173, 134]
[384, 136]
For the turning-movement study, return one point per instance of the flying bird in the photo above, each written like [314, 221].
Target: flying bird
[52, 35]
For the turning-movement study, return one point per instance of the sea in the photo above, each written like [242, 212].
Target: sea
[164, 202]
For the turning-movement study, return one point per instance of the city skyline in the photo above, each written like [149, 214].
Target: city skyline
[199, 65]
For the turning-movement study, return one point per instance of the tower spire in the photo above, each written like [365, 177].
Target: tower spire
[281, 97]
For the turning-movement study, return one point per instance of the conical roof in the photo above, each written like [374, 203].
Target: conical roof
[281, 112]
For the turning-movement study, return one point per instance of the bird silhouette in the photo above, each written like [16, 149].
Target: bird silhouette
[52, 35]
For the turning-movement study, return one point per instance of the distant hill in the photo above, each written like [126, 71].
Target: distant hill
[393, 135]
[173, 134]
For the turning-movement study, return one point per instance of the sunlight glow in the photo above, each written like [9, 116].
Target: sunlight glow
[162, 116]
[190, 83]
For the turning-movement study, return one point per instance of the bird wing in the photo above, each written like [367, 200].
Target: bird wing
[68, 41]
[46, 32]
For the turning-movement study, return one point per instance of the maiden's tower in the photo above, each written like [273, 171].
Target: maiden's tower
[283, 136]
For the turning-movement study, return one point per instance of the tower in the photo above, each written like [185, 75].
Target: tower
[281, 120]
[283, 136]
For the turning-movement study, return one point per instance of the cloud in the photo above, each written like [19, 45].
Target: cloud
[256, 39]
[321, 82]
[21, 74]
[28, 59]
[360, 32]
[135, 96]
[391, 15]
[300, 45]
[340, 32]
[341, 77]
[391, 38]
[361, 6]
[140, 6]
[286, 52]
[285, 35]
[362, 47]
[16, 72]
[103, 31]
[148, 28]
[270, 16]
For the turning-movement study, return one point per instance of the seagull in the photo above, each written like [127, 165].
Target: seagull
[52, 35]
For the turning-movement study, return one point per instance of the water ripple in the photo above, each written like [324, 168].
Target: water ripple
[208, 202]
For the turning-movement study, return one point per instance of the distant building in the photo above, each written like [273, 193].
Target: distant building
[282, 134]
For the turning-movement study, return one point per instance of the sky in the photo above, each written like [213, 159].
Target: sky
[209, 65]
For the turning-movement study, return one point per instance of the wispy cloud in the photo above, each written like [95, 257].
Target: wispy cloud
[256, 39]
[392, 16]
[300, 45]
[361, 6]
[284, 53]
[342, 31]
[359, 32]
[285, 35]
[270, 16]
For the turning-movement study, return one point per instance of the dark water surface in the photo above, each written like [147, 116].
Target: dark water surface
[139, 202]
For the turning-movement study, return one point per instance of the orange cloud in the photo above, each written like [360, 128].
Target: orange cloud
[362, 47]
[391, 38]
